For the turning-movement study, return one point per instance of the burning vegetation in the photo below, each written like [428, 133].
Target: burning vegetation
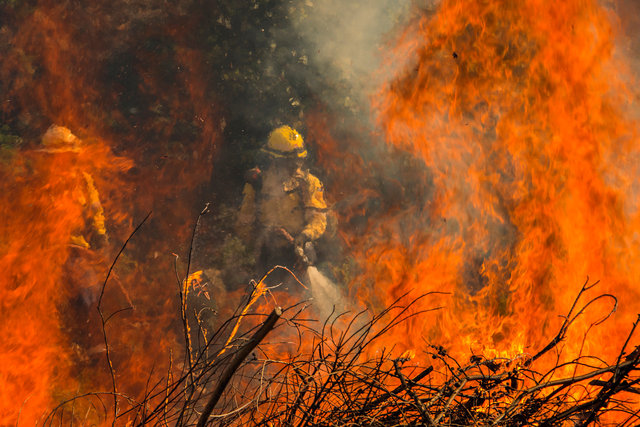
[331, 376]
[469, 164]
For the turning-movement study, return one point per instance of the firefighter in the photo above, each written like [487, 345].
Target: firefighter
[93, 233]
[76, 191]
[283, 211]
[73, 192]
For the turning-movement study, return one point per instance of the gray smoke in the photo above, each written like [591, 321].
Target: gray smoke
[345, 41]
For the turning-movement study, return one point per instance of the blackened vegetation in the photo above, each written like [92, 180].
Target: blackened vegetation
[333, 376]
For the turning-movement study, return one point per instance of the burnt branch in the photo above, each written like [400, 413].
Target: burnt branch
[104, 320]
[238, 358]
[335, 373]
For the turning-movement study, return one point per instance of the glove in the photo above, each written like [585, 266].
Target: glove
[302, 258]
[310, 253]
[253, 176]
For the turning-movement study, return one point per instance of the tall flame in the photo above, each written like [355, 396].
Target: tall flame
[42, 208]
[520, 111]
[511, 128]
[57, 72]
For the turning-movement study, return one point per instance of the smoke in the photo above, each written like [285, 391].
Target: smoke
[165, 83]
[345, 41]
[627, 51]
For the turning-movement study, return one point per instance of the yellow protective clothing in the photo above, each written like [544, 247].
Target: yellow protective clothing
[59, 139]
[89, 198]
[294, 203]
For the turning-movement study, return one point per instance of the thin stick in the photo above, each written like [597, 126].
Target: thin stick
[423, 411]
[104, 321]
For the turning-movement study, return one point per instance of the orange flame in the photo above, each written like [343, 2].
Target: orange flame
[42, 209]
[519, 111]
[53, 75]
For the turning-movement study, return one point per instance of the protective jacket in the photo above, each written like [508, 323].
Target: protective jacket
[94, 229]
[60, 140]
[294, 203]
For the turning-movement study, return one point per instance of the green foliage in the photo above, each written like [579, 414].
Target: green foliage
[11, 3]
[259, 71]
[235, 253]
[9, 144]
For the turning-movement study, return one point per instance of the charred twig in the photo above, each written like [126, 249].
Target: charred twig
[183, 287]
[423, 411]
[104, 321]
[397, 390]
[328, 376]
[451, 398]
[235, 363]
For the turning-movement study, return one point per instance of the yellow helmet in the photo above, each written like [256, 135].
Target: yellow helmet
[285, 141]
[58, 139]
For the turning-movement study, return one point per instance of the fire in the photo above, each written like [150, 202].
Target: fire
[520, 113]
[45, 280]
[508, 178]
[52, 347]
